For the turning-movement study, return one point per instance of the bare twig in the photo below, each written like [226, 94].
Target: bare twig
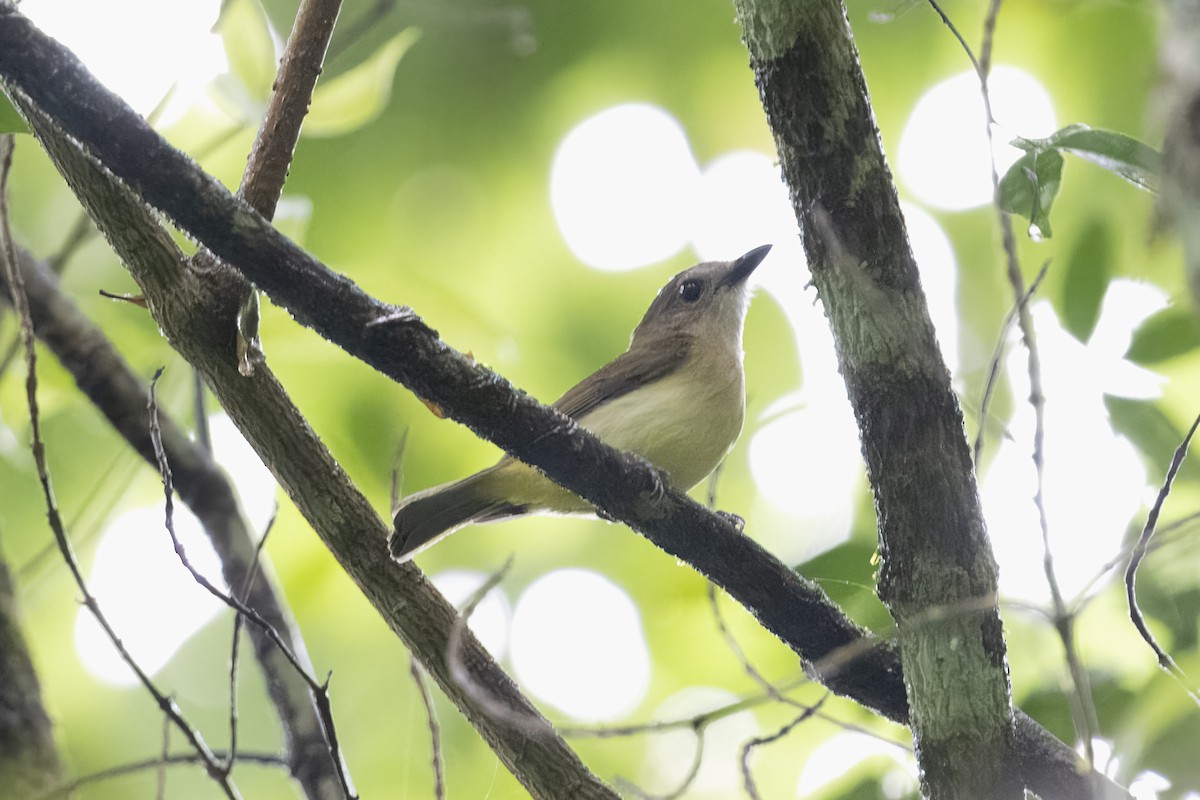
[771, 690]
[957, 35]
[235, 645]
[997, 360]
[688, 778]
[37, 447]
[320, 691]
[121, 396]
[461, 675]
[174, 759]
[1082, 709]
[435, 736]
[759, 741]
[234, 660]
[161, 777]
[1139, 551]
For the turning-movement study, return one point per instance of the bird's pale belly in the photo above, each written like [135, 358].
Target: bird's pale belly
[683, 426]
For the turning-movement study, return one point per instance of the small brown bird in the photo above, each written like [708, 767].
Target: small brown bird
[676, 397]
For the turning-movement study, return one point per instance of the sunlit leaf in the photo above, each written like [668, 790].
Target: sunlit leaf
[1030, 187]
[249, 47]
[1121, 155]
[356, 97]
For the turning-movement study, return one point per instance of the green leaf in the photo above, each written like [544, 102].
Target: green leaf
[357, 96]
[1088, 271]
[1153, 433]
[1169, 333]
[1144, 424]
[249, 47]
[1121, 155]
[1030, 187]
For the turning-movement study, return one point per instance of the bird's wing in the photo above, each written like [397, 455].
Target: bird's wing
[623, 374]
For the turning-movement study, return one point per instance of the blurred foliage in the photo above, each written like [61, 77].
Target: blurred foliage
[429, 186]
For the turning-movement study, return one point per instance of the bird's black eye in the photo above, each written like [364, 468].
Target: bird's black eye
[690, 291]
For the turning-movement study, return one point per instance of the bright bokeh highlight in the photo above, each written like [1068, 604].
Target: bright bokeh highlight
[146, 594]
[743, 203]
[622, 187]
[137, 48]
[670, 755]
[842, 754]
[577, 644]
[251, 479]
[943, 155]
[142, 587]
[490, 619]
[1095, 480]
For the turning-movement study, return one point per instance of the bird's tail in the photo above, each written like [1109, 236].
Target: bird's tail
[426, 516]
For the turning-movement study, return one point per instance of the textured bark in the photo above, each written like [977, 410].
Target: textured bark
[29, 761]
[937, 574]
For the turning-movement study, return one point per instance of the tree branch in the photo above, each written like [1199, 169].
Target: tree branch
[935, 556]
[28, 756]
[196, 311]
[29, 761]
[108, 381]
[395, 341]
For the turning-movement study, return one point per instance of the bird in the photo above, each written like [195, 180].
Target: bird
[676, 397]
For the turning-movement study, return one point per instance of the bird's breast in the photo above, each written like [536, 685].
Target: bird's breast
[683, 423]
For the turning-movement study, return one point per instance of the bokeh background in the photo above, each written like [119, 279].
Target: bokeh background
[526, 176]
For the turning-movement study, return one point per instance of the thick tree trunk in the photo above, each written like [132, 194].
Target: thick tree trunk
[937, 575]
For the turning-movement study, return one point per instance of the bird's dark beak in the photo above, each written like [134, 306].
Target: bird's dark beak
[740, 269]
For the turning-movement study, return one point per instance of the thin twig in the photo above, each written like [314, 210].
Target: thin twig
[1082, 708]
[435, 736]
[957, 35]
[235, 646]
[459, 673]
[174, 759]
[38, 448]
[320, 690]
[162, 768]
[1163, 536]
[758, 741]
[997, 359]
[771, 690]
[688, 778]
[719, 713]
[1139, 551]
